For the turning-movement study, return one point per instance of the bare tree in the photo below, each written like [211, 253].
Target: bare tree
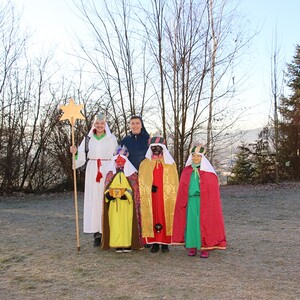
[11, 108]
[25, 129]
[276, 93]
[186, 49]
[212, 83]
[12, 42]
[117, 57]
[228, 41]
[194, 45]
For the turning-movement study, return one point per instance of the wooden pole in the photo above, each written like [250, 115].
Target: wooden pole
[75, 187]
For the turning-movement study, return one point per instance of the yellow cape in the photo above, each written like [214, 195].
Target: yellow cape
[170, 180]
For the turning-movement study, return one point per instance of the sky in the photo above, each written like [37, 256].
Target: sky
[274, 19]
[54, 22]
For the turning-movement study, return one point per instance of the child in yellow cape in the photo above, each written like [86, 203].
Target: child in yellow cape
[121, 212]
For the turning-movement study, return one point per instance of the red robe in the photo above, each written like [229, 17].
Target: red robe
[158, 209]
[157, 206]
[211, 216]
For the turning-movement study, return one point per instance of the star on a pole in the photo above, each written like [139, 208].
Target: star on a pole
[71, 112]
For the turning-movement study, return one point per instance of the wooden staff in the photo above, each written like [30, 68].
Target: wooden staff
[75, 187]
[71, 113]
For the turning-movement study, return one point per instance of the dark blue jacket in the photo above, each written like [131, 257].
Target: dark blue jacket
[137, 145]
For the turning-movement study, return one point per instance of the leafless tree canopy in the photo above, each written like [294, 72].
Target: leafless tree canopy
[172, 62]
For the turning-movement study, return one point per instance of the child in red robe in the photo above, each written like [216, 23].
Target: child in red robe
[198, 218]
[158, 183]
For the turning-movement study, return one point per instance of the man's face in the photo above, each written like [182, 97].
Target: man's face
[135, 126]
[156, 150]
[196, 158]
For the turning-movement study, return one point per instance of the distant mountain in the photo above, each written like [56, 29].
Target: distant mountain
[251, 135]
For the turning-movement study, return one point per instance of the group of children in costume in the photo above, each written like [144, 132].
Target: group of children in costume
[144, 204]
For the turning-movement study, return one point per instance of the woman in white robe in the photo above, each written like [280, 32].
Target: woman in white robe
[101, 146]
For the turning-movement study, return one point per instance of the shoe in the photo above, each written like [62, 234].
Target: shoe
[147, 246]
[119, 250]
[204, 254]
[127, 250]
[97, 239]
[192, 252]
[155, 248]
[164, 248]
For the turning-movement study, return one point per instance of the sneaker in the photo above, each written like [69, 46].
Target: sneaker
[192, 252]
[97, 239]
[204, 254]
[127, 250]
[119, 250]
[155, 248]
[164, 248]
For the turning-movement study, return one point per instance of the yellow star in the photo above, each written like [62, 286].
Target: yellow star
[71, 112]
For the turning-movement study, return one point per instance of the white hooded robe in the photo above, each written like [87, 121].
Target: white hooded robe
[94, 191]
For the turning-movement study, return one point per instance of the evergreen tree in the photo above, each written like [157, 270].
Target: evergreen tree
[243, 168]
[255, 163]
[264, 163]
[289, 127]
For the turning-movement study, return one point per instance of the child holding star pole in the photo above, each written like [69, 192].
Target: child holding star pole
[101, 146]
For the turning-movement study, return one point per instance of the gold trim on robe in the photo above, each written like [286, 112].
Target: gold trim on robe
[170, 186]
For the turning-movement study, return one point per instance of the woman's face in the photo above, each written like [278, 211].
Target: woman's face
[99, 126]
[196, 158]
[135, 126]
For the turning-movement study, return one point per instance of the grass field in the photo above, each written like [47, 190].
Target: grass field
[39, 257]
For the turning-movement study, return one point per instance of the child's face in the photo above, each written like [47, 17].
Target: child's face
[157, 150]
[120, 162]
[99, 126]
[196, 158]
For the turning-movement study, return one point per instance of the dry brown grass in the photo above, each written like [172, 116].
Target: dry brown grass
[39, 257]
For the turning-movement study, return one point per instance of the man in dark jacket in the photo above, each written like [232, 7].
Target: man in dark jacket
[137, 141]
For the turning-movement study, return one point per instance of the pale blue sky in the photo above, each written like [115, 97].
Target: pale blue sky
[53, 20]
[269, 16]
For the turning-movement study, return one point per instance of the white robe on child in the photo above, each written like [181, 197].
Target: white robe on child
[94, 191]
